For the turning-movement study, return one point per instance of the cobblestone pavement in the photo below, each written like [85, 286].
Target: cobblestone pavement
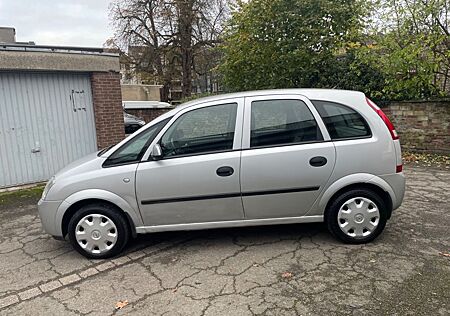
[240, 271]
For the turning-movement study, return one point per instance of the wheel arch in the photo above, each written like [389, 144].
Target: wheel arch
[364, 181]
[79, 199]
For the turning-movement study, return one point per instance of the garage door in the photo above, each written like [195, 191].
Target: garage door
[46, 122]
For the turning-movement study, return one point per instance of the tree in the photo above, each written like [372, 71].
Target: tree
[161, 37]
[287, 43]
[411, 46]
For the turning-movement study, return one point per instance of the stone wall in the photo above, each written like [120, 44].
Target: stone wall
[423, 126]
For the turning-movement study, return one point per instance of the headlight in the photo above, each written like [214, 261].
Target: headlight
[48, 186]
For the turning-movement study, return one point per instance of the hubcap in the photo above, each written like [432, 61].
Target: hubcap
[96, 233]
[358, 217]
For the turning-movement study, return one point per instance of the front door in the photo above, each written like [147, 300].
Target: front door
[286, 160]
[197, 179]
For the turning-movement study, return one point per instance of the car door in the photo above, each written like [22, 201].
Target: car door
[197, 179]
[287, 157]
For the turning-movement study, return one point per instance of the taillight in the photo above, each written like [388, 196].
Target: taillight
[385, 119]
[399, 168]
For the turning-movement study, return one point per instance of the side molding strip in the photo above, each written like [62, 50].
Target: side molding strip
[227, 195]
[191, 198]
[282, 191]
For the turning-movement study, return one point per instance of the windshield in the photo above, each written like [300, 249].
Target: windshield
[133, 150]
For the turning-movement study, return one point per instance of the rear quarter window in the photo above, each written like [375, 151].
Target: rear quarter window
[341, 121]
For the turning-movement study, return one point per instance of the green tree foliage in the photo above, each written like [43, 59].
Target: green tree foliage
[410, 46]
[390, 49]
[289, 43]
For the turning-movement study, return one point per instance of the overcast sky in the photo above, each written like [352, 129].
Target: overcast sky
[58, 22]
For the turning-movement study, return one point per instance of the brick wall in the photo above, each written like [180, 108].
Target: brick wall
[107, 98]
[422, 126]
[147, 114]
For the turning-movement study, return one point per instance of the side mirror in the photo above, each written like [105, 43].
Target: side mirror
[156, 152]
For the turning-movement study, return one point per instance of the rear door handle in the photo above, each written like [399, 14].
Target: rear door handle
[225, 171]
[318, 161]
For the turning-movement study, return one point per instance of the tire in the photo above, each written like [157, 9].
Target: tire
[98, 231]
[361, 213]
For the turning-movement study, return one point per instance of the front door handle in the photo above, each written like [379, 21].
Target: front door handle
[225, 171]
[318, 161]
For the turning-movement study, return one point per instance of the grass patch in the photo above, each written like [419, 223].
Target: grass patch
[25, 195]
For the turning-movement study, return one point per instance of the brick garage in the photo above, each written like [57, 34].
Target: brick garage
[107, 101]
[423, 126]
[57, 105]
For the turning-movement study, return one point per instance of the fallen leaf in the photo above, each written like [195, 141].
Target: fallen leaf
[445, 254]
[121, 304]
[175, 290]
[287, 275]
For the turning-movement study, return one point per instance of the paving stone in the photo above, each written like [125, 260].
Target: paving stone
[121, 260]
[50, 286]
[69, 279]
[105, 266]
[25, 295]
[87, 273]
[9, 300]
[136, 255]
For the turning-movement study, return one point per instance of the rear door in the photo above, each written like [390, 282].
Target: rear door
[287, 157]
[197, 180]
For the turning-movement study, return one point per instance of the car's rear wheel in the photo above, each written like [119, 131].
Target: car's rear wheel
[357, 216]
[98, 231]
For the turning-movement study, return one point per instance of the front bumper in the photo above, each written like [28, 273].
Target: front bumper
[47, 213]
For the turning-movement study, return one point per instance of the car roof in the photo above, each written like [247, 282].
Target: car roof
[312, 94]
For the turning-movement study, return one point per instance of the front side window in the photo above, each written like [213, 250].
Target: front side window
[133, 150]
[341, 121]
[282, 122]
[208, 129]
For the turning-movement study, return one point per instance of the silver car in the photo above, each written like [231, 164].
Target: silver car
[244, 159]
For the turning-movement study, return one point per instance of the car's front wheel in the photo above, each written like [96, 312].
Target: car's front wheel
[98, 231]
[357, 216]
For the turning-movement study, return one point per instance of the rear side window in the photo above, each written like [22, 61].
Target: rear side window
[341, 121]
[282, 122]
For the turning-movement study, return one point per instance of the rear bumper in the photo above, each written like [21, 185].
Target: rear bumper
[397, 182]
[47, 213]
